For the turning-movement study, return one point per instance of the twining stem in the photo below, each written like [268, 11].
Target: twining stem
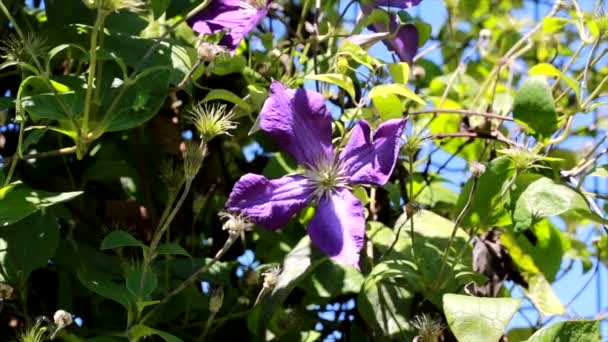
[459, 218]
[194, 277]
[463, 112]
[167, 222]
[207, 326]
[92, 69]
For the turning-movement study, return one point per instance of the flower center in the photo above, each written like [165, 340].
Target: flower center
[257, 4]
[326, 176]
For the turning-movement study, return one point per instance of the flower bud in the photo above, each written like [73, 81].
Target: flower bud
[418, 73]
[216, 300]
[212, 121]
[411, 209]
[193, 159]
[207, 52]
[236, 224]
[485, 35]
[271, 277]
[62, 319]
[478, 169]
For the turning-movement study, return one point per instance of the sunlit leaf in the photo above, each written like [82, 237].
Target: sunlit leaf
[17, 201]
[533, 106]
[478, 319]
[340, 80]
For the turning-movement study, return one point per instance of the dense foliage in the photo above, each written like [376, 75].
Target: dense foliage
[183, 170]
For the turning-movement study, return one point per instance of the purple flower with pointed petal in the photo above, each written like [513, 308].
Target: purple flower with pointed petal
[236, 17]
[298, 120]
[404, 42]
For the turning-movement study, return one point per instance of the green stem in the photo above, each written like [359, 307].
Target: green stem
[596, 92]
[194, 277]
[165, 225]
[207, 327]
[461, 215]
[92, 70]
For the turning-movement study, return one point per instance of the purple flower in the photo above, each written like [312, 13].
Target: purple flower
[298, 121]
[404, 42]
[397, 3]
[235, 17]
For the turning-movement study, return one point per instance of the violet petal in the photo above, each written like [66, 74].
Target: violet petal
[270, 203]
[397, 3]
[372, 162]
[338, 227]
[405, 41]
[236, 17]
[299, 122]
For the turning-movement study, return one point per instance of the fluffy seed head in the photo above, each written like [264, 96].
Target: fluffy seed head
[212, 120]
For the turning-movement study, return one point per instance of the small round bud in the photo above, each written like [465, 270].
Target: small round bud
[62, 318]
[485, 34]
[418, 73]
[208, 52]
[216, 300]
[478, 169]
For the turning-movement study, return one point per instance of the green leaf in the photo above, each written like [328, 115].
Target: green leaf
[538, 197]
[388, 106]
[28, 245]
[331, 279]
[171, 249]
[355, 52]
[159, 7]
[141, 284]
[431, 235]
[548, 249]
[541, 294]
[228, 96]
[139, 331]
[340, 80]
[475, 319]
[39, 100]
[386, 298]
[533, 106]
[140, 101]
[400, 72]
[118, 239]
[298, 263]
[599, 171]
[485, 209]
[396, 89]
[17, 201]
[546, 69]
[539, 290]
[102, 285]
[566, 331]
[554, 24]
